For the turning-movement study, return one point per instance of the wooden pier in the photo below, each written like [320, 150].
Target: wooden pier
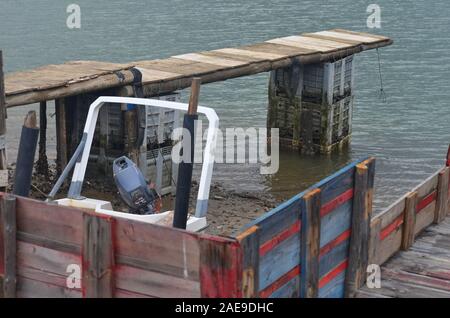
[317, 125]
[167, 75]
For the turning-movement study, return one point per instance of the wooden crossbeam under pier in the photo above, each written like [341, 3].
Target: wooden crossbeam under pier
[167, 75]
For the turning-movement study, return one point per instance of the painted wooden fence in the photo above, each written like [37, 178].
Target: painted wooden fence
[46, 249]
[317, 244]
[313, 245]
[309, 246]
[396, 228]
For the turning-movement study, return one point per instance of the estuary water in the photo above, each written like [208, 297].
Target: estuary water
[408, 133]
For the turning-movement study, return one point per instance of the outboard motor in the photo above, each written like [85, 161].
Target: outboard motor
[133, 187]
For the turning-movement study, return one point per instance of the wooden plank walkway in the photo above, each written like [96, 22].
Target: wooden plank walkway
[421, 271]
[167, 75]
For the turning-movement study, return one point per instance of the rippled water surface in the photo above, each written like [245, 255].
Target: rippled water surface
[408, 134]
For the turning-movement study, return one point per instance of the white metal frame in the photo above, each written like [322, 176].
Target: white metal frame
[209, 152]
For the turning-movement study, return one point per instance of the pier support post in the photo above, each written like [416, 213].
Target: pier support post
[3, 160]
[42, 163]
[61, 134]
[131, 134]
[312, 105]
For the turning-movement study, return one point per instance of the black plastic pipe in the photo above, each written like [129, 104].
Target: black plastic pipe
[25, 156]
[184, 180]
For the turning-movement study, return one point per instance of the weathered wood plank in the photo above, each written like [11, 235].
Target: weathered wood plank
[45, 259]
[251, 54]
[425, 217]
[220, 268]
[249, 241]
[409, 221]
[442, 196]
[201, 58]
[8, 236]
[138, 243]
[310, 245]
[29, 288]
[98, 257]
[153, 284]
[43, 220]
[280, 260]
[360, 232]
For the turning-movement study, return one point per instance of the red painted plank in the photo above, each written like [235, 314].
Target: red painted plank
[220, 269]
[336, 202]
[391, 227]
[277, 239]
[333, 273]
[269, 290]
[338, 240]
[426, 201]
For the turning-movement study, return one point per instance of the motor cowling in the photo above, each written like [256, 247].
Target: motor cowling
[133, 188]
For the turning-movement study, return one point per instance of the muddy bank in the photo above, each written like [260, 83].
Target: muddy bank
[228, 211]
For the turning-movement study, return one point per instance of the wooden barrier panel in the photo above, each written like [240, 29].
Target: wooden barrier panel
[397, 226]
[304, 242]
[68, 252]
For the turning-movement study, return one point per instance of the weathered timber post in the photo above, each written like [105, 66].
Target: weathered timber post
[312, 105]
[8, 246]
[442, 196]
[131, 128]
[360, 233]
[249, 241]
[98, 257]
[61, 134]
[310, 245]
[409, 221]
[3, 159]
[42, 163]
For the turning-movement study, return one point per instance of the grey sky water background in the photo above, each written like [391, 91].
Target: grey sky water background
[408, 134]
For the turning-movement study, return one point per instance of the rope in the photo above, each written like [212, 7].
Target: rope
[382, 92]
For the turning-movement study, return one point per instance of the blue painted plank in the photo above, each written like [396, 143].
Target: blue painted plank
[326, 185]
[335, 288]
[280, 219]
[288, 290]
[280, 260]
[333, 258]
[335, 223]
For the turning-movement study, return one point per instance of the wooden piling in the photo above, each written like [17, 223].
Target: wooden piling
[3, 159]
[8, 232]
[98, 257]
[131, 128]
[61, 134]
[310, 245]
[42, 163]
[409, 221]
[360, 233]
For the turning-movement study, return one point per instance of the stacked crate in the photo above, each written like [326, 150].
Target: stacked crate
[312, 106]
[155, 160]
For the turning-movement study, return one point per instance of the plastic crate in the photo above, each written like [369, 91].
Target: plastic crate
[328, 82]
